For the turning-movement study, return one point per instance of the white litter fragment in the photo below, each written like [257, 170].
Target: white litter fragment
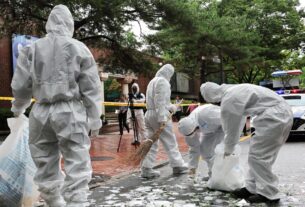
[242, 203]
[144, 189]
[110, 202]
[189, 205]
[292, 199]
[157, 190]
[114, 191]
[110, 197]
[208, 198]
[181, 187]
[135, 203]
[179, 202]
[171, 198]
[218, 201]
[160, 204]
[126, 195]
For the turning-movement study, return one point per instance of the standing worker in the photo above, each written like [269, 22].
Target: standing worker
[158, 112]
[138, 97]
[203, 131]
[272, 126]
[122, 116]
[179, 109]
[61, 74]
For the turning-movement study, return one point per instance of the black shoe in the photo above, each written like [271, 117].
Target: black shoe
[261, 199]
[136, 143]
[242, 193]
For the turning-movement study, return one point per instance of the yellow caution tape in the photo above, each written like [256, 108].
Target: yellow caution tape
[105, 103]
[123, 104]
[244, 138]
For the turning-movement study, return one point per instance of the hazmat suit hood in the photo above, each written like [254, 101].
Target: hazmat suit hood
[60, 21]
[187, 125]
[212, 92]
[166, 71]
[135, 85]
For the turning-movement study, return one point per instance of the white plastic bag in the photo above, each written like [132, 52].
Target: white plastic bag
[17, 168]
[227, 174]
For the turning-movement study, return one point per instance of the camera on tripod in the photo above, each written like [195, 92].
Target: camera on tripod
[133, 119]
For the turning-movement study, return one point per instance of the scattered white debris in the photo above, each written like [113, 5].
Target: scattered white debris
[114, 191]
[144, 189]
[110, 197]
[110, 202]
[242, 203]
[292, 199]
[208, 198]
[160, 204]
[135, 203]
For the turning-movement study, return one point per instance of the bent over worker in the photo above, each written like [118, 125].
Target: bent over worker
[272, 126]
[203, 131]
[61, 74]
[158, 112]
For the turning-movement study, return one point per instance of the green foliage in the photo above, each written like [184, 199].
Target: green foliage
[248, 36]
[99, 23]
[112, 89]
[294, 59]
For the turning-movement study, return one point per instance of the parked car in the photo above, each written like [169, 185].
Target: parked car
[297, 103]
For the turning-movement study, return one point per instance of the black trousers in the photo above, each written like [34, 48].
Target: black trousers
[122, 122]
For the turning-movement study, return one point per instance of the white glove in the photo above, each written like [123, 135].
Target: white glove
[172, 108]
[94, 133]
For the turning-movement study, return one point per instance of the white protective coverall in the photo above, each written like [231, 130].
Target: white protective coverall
[202, 142]
[158, 106]
[139, 97]
[61, 74]
[272, 126]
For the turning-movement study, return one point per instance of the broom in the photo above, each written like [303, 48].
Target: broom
[135, 158]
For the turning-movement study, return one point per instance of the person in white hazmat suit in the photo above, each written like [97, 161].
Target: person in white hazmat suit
[61, 74]
[203, 131]
[272, 125]
[158, 112]
[138, 97]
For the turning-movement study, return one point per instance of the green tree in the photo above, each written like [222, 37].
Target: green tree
[247, 36]
[99, 23]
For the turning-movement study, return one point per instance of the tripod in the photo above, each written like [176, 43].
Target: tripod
[136, 141]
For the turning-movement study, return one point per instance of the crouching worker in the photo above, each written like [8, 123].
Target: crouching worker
[61, 74]
[202, 130]
[272, 126]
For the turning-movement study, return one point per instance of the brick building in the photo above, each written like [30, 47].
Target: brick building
[125, 80]
[5, 70]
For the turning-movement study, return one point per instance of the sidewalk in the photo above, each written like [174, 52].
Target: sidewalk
[107, 162]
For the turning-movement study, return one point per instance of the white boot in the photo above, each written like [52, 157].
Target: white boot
[149, 173]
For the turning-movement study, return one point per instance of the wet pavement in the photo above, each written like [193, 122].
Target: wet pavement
[186, 191]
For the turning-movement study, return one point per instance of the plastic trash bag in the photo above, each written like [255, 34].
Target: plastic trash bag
[227, 174]
[17, 168]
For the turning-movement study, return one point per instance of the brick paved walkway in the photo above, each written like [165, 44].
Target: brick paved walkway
[107, 161]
